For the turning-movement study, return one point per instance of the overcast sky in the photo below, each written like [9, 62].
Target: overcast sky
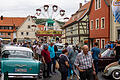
[23, 8]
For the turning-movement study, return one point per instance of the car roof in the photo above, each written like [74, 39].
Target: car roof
[8, 47]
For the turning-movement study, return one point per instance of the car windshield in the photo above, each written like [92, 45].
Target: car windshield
[107, 53]
[16, 54]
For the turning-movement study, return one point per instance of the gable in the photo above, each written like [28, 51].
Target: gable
[78, 15]
[28, 22]
[107, 2]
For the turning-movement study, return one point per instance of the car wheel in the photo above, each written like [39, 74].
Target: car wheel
[116, 74]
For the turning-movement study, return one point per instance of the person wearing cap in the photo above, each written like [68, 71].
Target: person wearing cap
[52, 56]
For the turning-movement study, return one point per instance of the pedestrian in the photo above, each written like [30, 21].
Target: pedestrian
[72, 56]
[117, 50]
[38, 51]
[95, 51]
[56, 49]
[52, 56]
[107, 45]
[84, 63]
[67, 47]
[64, 64]
[46, 60]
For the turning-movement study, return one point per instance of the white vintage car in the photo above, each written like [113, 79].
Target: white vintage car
[112, 71]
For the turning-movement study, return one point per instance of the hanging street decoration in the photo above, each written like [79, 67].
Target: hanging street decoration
[116, 10]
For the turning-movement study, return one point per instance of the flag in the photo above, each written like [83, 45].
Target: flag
[116, 10]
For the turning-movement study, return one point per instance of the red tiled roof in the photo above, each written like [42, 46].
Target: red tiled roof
[10, 21]
[81, 12]
[41, 26]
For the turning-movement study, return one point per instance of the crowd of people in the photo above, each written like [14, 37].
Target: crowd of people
[73, 58]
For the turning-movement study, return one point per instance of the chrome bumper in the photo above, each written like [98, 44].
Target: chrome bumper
[17, 75]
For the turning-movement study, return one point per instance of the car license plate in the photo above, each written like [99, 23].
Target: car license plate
[20, 70]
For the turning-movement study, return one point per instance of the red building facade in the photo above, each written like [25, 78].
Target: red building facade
[99, 22]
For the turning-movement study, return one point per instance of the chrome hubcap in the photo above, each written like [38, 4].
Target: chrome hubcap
[116, 75]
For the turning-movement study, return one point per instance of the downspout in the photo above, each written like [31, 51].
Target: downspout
[110, 33]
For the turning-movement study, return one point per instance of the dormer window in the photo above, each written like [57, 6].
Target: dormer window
[29, 19]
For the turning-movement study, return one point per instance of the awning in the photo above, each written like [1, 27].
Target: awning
[49, 35]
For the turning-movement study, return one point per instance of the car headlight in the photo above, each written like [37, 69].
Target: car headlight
[106, 70]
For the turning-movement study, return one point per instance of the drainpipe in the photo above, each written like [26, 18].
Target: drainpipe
[110, 33]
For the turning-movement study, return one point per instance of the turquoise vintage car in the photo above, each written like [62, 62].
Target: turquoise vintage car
[18, 62]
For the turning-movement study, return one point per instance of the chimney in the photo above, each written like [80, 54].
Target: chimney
[1, 17]
[80, 5]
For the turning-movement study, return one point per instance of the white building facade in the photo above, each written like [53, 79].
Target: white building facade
[27, 30]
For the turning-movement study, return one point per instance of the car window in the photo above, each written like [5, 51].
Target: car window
[16, 54]
[107, 53]
[59, 47]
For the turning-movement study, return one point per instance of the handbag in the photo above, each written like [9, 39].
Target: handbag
[57, 66]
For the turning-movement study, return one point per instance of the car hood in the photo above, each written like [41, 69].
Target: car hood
[26, 65]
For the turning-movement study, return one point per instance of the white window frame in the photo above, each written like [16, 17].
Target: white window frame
[95, 5]
[96, 8]
[100, 4]
[101, 43]
[96, 23]
[104, 22]
[92, 25]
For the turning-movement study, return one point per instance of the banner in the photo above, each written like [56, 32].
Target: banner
[49, 32]
[116, 9]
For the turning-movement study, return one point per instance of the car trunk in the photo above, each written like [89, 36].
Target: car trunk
[27, 66]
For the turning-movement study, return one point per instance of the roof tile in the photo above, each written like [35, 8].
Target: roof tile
[10, 21]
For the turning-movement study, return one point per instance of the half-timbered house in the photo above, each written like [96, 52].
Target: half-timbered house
[77, 27]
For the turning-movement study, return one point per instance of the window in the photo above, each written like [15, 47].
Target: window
[102, 23]
[97, 4]
[28, 26]
[27, 33]
[98, 41]
[118, 34]
[22, 33]
[103, 43]
[9, 33]
[29, 19]
[10, 27]
[97, 23]
[91, 24]
[1, 33]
